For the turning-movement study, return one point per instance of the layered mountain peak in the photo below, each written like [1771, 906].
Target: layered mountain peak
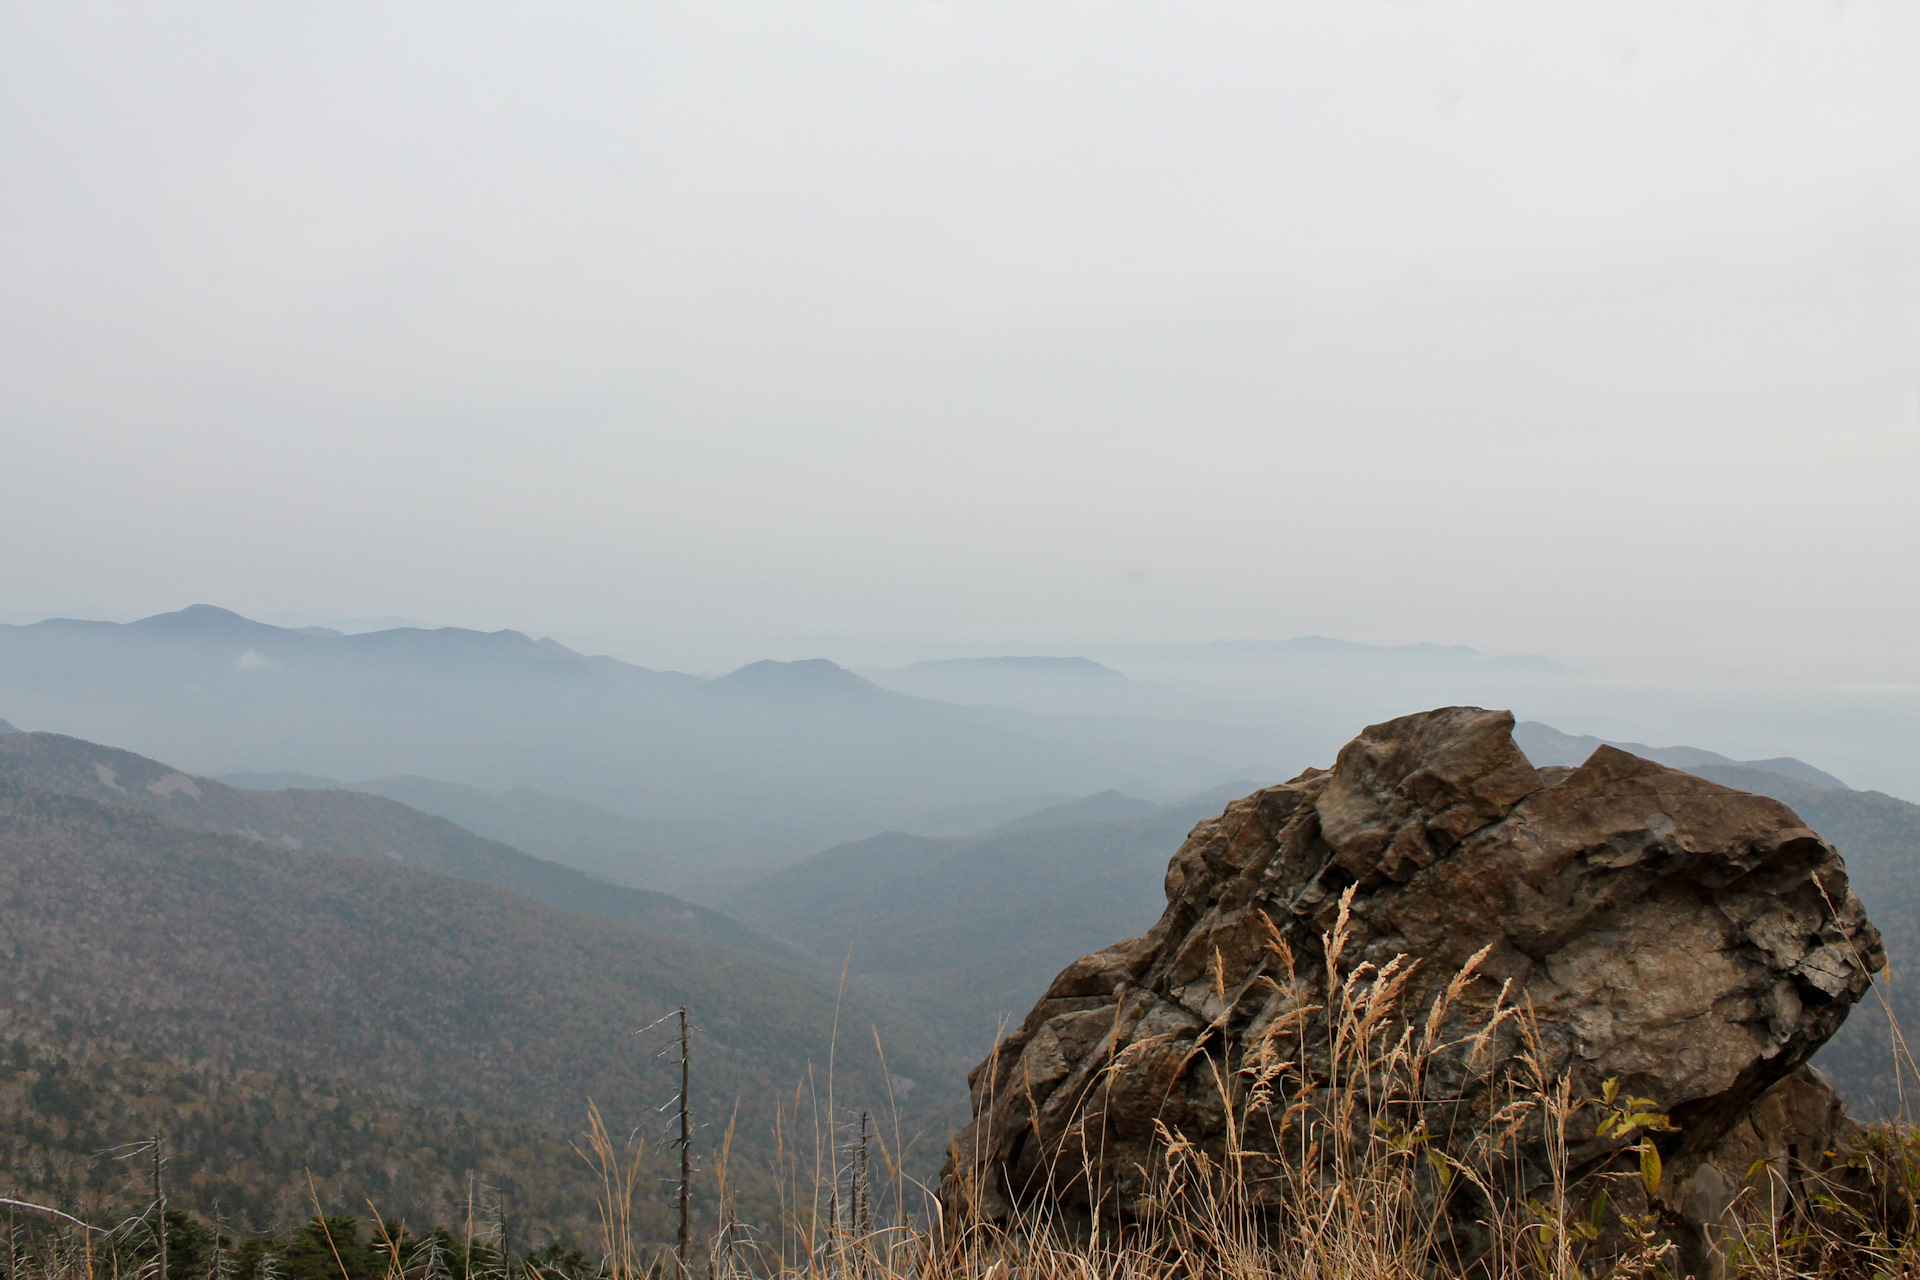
[199, 618]
[808, 677]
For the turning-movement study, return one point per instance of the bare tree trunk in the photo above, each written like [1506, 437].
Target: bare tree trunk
[686, 1152]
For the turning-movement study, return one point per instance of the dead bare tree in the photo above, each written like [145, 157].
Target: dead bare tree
[686, 1148]
[680, 1054]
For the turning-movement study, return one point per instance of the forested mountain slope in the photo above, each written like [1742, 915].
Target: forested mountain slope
[570, 832]
[968, 932]
[271, 1012]
[349, 822]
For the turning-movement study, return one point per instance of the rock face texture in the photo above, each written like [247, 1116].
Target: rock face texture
[1693, 942]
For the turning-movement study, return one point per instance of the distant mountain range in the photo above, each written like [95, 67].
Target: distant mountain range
[1313, 650]
[970, 819]
[1017, 838]
[1064, 686]
[1546, 745]
[720, 777]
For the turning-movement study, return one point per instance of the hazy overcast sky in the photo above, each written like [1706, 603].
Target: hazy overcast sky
[1584, 329]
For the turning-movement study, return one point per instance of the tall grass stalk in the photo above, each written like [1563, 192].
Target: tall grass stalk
[1340, 1156]
[622, 1255]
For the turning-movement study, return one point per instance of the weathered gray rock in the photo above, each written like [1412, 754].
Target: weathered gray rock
[1695, 942]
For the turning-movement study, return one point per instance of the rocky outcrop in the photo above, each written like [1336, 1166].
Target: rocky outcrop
[1693, 943]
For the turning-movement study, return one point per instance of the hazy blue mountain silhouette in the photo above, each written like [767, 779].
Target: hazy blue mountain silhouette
[744, 772]
[1053, 686]
[1104, 806]
[972, 819]
[1546, 745]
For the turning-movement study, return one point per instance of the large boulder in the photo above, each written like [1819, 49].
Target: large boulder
[1693, 943]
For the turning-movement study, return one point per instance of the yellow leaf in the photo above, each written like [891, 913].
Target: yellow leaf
[1650, 1167]
[1611, 1089]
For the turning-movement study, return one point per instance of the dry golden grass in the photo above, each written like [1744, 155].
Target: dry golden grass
[1342, 1173]
[1348, 1171]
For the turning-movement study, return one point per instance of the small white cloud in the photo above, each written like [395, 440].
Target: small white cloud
[252, 660]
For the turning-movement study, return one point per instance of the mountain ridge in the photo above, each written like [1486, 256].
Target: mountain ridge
[573, 833]
[349, 822]
[1543, 744]
[730, 776]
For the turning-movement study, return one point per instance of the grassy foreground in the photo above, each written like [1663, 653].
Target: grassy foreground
[1334, 1173]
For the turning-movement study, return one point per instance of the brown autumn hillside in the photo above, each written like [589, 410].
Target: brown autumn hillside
[351, 822]
[394, 1031]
